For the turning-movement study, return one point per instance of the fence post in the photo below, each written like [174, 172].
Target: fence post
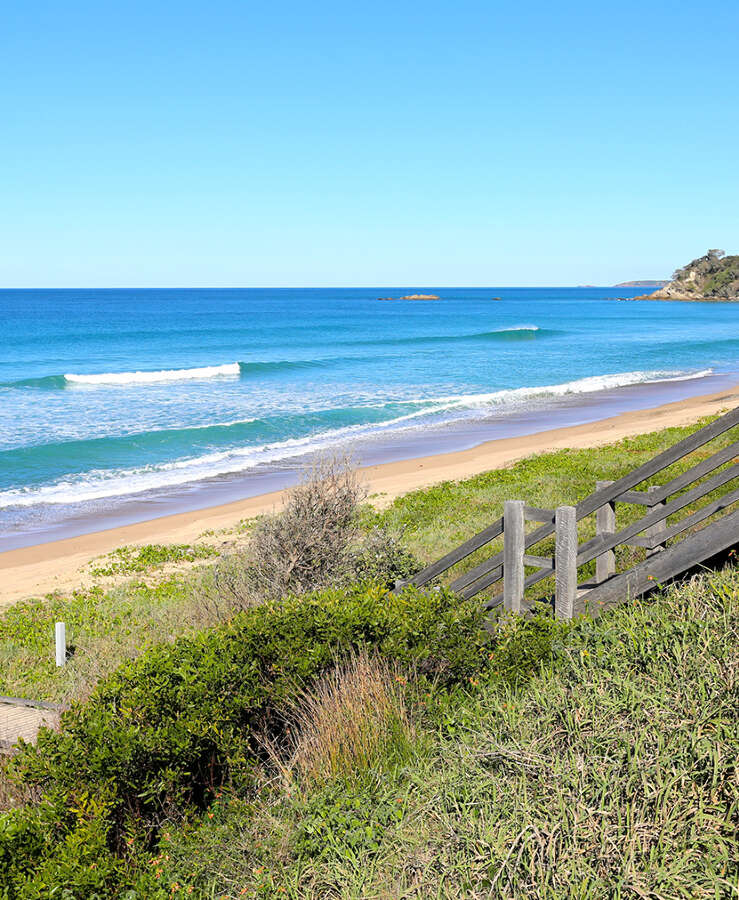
[605, 523]
[565, 562]
[60, 635]
[654, 531]
[513, 550]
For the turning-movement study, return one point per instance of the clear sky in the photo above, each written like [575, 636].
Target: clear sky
[234, 143]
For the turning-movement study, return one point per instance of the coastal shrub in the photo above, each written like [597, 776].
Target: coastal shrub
[306, 545]
[161, 734]
[80, 864]
[321, 537]
[380, 554]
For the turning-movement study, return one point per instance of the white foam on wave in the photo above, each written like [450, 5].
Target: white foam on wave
[153, 377]
[586, 385]
[99, 485]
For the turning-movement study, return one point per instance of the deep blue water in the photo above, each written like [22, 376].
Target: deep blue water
[96, 400]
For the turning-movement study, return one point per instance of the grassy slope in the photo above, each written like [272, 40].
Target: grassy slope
[437, 519]
[612, 773]
[107, 626]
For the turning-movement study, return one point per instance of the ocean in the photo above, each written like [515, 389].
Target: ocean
[118, 405]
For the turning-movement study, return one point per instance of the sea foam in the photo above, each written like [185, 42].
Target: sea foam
[102, 484]
[153, 377]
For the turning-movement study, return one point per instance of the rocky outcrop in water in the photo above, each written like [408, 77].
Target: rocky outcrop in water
[413, 297]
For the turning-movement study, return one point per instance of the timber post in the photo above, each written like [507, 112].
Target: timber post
[513, 550]
[565, 562]
[657, 530]
[605, 524]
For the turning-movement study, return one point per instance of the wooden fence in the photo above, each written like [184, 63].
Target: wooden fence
[651, 531]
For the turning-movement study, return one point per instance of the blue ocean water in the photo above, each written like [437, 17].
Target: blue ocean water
[112, 394]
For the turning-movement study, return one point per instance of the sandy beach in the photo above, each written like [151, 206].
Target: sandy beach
[60, 565]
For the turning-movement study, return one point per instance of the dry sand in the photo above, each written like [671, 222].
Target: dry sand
[60, 565]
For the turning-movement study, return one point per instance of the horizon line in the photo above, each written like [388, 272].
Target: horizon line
[312, 287]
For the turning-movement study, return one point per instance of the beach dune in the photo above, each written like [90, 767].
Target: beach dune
[61, 565]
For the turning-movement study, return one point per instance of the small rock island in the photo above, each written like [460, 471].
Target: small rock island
[413, 297]
[710, 278]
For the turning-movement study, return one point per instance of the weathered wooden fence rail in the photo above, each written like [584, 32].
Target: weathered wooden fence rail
[651, 531]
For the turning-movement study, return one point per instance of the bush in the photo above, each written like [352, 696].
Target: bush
[380, 555]
[317, 540]
[306, 545]
[159, 735]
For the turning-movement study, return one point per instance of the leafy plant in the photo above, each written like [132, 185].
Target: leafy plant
[162, 733]
[130, 560]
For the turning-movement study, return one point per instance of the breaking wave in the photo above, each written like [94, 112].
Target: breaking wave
[151, 377]
[245, 444]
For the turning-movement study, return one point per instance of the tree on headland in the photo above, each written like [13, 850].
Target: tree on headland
[711, 257]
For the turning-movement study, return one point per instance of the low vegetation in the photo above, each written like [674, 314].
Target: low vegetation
[130, 560]
[516, 763]
[327, 738]
[602, 775]
[163, 734]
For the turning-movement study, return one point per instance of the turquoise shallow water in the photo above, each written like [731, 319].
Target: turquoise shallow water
[117, 394]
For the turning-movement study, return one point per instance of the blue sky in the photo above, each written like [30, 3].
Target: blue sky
[391, 143]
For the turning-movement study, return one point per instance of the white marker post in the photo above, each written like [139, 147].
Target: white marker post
[61, 643]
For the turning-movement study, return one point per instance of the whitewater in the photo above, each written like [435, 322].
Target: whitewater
[111, 397]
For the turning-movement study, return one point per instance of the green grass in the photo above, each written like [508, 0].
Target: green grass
[612, 773]
[435, 520]
[109, 625]
[104, 628]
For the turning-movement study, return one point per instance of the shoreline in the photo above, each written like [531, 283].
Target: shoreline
[59, 565]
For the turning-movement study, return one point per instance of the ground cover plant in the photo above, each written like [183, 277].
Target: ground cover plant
[109, 625]
[609, 773]
[130, 560]
[351, 742]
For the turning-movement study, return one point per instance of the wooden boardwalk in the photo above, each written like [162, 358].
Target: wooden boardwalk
[23, 718]
[714, 478]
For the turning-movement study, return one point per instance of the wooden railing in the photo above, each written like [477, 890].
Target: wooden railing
[651, 531]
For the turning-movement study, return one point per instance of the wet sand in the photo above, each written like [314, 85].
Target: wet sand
[60, 565]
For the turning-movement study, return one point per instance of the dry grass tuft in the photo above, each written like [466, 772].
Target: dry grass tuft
[354, 719]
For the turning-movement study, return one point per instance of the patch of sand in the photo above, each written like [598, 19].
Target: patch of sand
[62, 565]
